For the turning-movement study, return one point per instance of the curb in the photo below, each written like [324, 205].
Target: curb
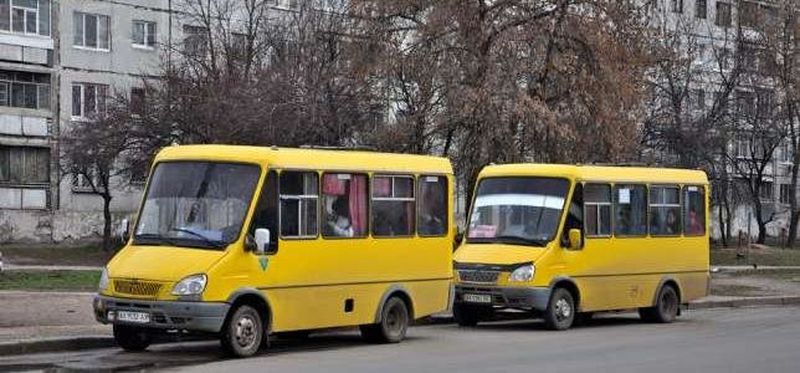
[55, 344]
[747, 302]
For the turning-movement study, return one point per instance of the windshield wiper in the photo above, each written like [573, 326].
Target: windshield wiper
[154, 239]
[210, 242]
[522, 240]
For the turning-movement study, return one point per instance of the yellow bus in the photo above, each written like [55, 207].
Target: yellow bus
[241, 242]
[565, 241]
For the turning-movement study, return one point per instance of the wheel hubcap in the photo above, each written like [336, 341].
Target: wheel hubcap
[563, 309]
[668, 304]
[246, 332]
[395, 320]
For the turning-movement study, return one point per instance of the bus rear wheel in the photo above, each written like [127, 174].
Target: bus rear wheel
[132, 338]
[666, 308]
[393, 325]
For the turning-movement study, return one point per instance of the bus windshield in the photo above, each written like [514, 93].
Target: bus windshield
[517, 210]
[196, 204]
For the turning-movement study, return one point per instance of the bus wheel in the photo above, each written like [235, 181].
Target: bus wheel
[466, 315]
[666, 308]
[560, 312]
[131, 338]
[393, 325]
[242, 332]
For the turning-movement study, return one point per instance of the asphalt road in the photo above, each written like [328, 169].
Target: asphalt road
[721, 340]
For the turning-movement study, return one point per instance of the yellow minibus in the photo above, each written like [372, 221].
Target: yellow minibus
[240, 242]
[565, 241]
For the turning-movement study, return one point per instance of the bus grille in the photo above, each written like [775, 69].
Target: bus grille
[137, 288]
[484, 277]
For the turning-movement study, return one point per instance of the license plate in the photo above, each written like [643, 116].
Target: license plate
[134, 317]
[478, 298]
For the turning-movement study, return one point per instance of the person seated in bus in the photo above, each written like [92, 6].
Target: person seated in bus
[695, 226]
[432, 214]
[338, 221]
[671, 224]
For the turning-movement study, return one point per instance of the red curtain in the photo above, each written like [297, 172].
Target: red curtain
[332, 185]
[358, 204]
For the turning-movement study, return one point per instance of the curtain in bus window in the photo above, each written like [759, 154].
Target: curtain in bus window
[345, 205]
[358, 204]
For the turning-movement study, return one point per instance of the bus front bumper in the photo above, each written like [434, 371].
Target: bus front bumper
[167, 315]
[535, 298]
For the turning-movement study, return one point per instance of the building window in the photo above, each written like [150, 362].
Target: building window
[723, 14]
[766, 191]
[699, 99]
[24, 90]
[88, 99]
[91, 31]
[299, 196]
[195, 41]
[137, 100]
[701, 9]
[785, 153]
[677, 6]
[144, 34]
[30, 17]
[24, 165]
[786, 193]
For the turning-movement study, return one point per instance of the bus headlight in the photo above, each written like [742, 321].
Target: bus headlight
[523, 274]
[192, 285]
[103, 284]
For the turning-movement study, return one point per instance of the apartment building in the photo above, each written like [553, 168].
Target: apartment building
[715, 27]
[59, 59]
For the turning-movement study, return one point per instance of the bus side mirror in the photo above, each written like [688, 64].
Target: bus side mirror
[262, 240]
[575, 239]
[125, 230]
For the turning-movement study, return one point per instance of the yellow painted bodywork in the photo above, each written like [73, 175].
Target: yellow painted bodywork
[307, 281]
[611, 273]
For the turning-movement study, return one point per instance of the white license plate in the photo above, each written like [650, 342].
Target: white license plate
[135, 317]
[478, 298]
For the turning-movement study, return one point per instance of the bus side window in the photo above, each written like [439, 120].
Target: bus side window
[630, 208]
[574, 215]
[597, 210]
[694, 201]
[432, 219]
[393, 209]
[344, 205]
[266, 214]
[299, 194]
[665, 211]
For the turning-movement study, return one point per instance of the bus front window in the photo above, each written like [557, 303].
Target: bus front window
[196, 204]
[517, 210]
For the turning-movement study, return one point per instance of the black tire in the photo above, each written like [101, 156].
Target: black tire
[666, 308]
[243, 332]
[466, 315]
[560, 312]
[393, 325]
[131, 338]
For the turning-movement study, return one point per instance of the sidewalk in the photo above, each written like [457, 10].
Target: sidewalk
[14, 267]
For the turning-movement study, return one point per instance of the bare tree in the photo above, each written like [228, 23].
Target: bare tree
[98, 153]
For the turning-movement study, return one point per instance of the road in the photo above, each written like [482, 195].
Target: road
[719, 340]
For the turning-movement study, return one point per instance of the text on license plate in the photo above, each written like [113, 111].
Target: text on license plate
[137, 317]
[478, 298]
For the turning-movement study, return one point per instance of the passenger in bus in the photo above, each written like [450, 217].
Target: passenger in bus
[695, 226]
[338, 221]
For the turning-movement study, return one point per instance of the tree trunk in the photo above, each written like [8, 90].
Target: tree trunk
[107, 223]
[722, 227]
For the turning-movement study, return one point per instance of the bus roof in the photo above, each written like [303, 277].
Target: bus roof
[610, 174]
[291, 158]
